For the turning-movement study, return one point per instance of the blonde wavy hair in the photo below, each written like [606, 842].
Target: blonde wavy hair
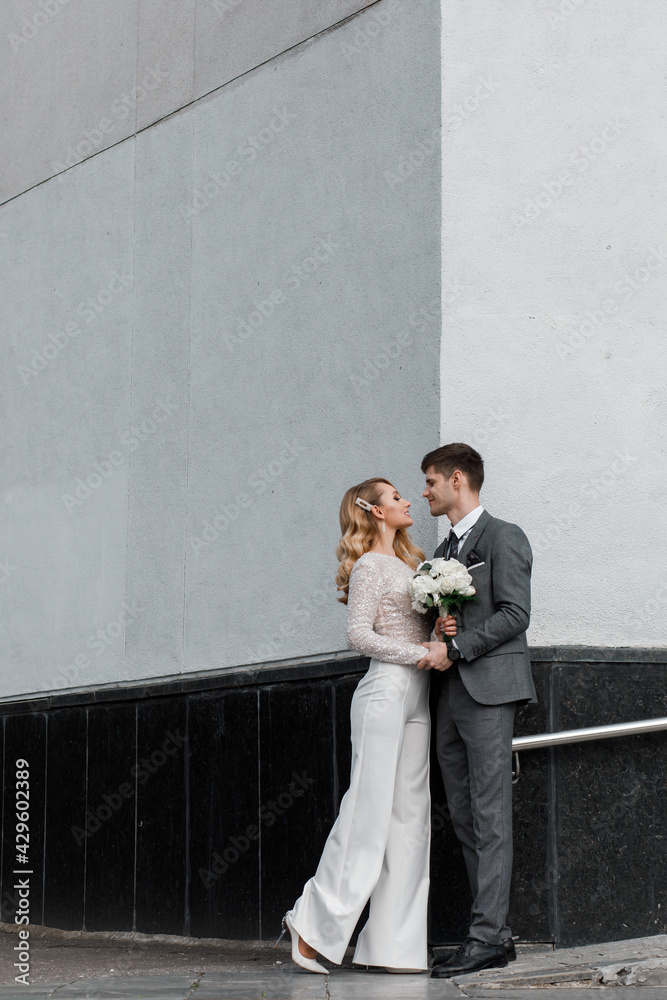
[359, 532]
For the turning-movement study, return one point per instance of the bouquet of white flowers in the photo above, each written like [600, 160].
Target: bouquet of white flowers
[442, 583]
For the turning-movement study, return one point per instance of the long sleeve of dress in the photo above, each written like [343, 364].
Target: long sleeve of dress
[365, 615]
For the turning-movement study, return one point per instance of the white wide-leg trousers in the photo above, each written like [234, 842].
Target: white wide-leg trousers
[379, 846]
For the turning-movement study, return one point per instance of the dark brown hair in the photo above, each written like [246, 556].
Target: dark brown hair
[452, 457]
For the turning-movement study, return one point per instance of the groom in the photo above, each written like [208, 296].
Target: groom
[485, 674]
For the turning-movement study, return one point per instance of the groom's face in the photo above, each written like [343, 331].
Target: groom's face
[439, 493]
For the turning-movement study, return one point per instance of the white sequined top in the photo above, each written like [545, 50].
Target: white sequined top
[380, 618]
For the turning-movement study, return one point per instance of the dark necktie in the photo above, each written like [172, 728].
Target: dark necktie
[452, 545]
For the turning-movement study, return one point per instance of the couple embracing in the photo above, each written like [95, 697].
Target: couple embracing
[378, 848]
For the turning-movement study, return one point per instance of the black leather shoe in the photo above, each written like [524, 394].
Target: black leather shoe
[508, 944]
[451, 959]
[472, 956]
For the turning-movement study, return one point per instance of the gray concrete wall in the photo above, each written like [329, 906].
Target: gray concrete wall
[554, 203]
[213, 329]
[78, 77]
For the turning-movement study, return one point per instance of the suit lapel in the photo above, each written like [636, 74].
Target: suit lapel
[475, 533]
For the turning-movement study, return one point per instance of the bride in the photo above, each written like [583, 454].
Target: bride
[378, 848]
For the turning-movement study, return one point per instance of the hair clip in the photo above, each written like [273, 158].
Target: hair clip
[363, 503]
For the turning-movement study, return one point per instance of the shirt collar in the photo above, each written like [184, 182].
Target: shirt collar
[467, 522]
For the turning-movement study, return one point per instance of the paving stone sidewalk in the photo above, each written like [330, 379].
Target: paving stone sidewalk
[69, 965]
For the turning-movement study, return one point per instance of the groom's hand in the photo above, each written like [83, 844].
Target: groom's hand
[436, 657]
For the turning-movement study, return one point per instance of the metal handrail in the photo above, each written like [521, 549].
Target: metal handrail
[590, 733]
[566, 736]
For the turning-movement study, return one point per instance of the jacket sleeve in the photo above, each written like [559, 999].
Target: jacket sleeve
[510, 575]
[363, 602]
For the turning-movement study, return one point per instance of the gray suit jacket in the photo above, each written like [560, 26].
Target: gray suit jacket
[494, 664]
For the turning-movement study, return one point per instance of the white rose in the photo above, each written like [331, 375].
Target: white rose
[438, 566]
[414, 587]
[421, 586]
[446, 586]
[469, 592]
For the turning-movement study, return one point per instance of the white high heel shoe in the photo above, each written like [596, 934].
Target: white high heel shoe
[306, 963]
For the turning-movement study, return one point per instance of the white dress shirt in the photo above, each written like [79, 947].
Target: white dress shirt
[463, 528]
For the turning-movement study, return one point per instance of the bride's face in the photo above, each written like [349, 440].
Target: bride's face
[395, 508]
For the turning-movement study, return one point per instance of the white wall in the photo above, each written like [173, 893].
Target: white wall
[554, 198]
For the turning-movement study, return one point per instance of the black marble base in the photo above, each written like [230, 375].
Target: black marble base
[200, 805]
[611, 816]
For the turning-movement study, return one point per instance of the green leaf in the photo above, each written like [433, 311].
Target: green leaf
[454, 601]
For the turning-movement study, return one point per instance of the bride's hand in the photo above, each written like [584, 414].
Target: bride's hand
[448, 624]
